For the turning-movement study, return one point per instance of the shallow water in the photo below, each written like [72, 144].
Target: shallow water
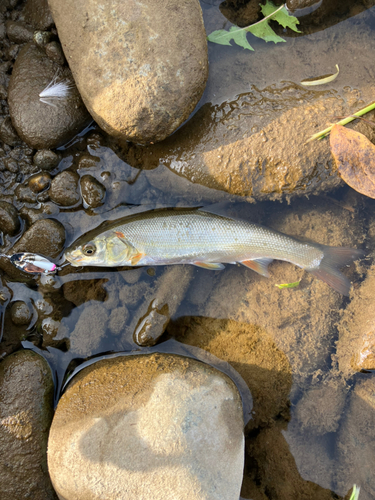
[234, 314]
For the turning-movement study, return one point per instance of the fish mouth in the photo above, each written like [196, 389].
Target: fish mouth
[74, 260]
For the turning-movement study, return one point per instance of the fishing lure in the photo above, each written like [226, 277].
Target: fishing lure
[32, 263]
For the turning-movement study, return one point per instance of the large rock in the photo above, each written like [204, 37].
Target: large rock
[45, 236]
[156, 426]
[141, 67]
[40, 125]
[26, 408]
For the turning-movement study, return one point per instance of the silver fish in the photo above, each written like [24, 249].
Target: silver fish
[192, 236]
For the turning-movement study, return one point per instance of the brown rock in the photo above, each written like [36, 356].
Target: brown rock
[37, 14]
[139, 80]
[26, 409]
[45, 237]
[64, 189]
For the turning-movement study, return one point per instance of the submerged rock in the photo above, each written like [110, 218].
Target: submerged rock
[356, 344]
[26, 409]
[138, 73]
[45, 237]
[64, 189]
[156, 427]
[93, 192]
[40, 125]
[9, 221]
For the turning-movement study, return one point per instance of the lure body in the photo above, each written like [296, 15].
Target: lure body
[32, 263]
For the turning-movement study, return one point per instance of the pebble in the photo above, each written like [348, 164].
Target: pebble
[46, 159]
[17, 32]
[39, 182]
[26, 410]
[155, 427]
[8, 133]
[40, 125]
[64, 189]
[54, 51]
[152, 326]
[45, 237]
[20, 313]
[37, 14]
[137, 87]
[93, 192]
[9, 220]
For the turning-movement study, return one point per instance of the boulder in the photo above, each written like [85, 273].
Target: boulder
[26, 409]
[156, 426]
[141, 68]
[40, 125]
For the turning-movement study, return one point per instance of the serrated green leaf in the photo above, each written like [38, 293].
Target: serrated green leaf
[261, 29]
[223, 37]
[264, 31]
[281, 16]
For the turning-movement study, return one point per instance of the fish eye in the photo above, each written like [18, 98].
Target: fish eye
[89, 249]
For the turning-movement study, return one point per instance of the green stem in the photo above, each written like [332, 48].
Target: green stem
[323, 133]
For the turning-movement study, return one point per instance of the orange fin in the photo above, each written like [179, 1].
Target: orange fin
[260, 266]
[210, 265]
[120, 235]
[136, 258]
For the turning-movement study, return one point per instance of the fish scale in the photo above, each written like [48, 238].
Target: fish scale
[195, 236]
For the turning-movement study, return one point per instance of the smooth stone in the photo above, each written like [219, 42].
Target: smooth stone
[64, 189]
[151, 326]
[41, 125]
[93, 192]
[8, 133]
[17, 32]
[9, 221]
[20, 313]
[54, 51]
[26, 410]
[156, 426]
[39, 182]
[46, 159]
[139, 80]
[45, 237]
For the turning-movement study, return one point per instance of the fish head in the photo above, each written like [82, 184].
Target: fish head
[106, 249]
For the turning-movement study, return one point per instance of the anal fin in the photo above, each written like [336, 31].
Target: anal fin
[260, 266]
[215, 266]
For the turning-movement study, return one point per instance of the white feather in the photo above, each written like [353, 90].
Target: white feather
[55, 91]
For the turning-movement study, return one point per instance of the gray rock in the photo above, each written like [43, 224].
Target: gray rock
[46, 159]
[9, 221]
[45, 237]
[17, 32]
[26, 409]
[139, 80]
[20, 313]
[64, 189]
[157, 427]
[40, 125]
[93, 192]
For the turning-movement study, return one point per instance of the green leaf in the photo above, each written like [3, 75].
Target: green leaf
[288, 285]
[235, 33]
[261, 29]
[282, 16]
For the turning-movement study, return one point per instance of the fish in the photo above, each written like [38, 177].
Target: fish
[207, 240]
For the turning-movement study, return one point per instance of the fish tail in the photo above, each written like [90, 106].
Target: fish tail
[333, 259]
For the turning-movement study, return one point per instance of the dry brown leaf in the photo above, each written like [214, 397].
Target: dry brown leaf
[354, 155]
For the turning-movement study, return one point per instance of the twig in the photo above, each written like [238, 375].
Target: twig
[348, 119]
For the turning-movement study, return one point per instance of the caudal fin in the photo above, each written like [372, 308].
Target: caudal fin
[334, 258]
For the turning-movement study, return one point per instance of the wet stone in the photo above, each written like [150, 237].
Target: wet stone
[26, 409]
[145, 86]
[9, 221]
[39, 124]
[88, 161]
[145, 427]
[152, 326]
[37, 14]
[20, 313]
[45, 237]
[93, 192]
[46, 159]
[39, 182]
[64, 189]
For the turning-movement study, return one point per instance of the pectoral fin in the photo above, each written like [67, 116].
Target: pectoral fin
[136, 258]
[215, 266]
[260, 266]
